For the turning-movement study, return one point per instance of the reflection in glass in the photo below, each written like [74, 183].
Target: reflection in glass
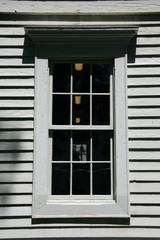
[60, 179]
[81, 179]
[61, 145]
[81, 79]
[81, 113]
[101, 179]
[100, 78]
[61, 77]
[81, 146]
[61, 110]
[100, 110]
[101, 146]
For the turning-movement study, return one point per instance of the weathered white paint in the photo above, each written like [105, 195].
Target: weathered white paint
[151, 123]
[16, 72]
[79, 8]
[15, 188]
[17, 103]
[11, 167]
[144, 164]
[146, 81]
[16, 146]
[16, 156]
[144, 155]
[16, 113]
[16, 124]
[145, 198]
[144, 133]
[144, 187]
[16, 92]
[144, 144]
[16, 135]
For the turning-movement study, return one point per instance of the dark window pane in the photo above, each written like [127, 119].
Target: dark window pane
[101, 146]
[61, 77]
[101, 110]
[81, 146]
[101, 179]
[81, 79]
[81, 179]
[61, 145]
[101, 77]
[81, 110]
[60, 179]
[61, 109]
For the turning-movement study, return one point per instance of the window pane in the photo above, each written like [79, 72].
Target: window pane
[81, 79]
[101, 179]
[101, 146]
[101, 110]
[61, 77]
[61, 145]
[60, 179]
[100, 78]
[61, 110]
[81, 146]
[81, 113]
[81, 179]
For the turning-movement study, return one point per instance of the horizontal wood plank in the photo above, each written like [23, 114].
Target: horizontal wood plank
[29, 61]
[16, 156]
[23, 103]
[154, 70]
[140, 102]
[13, 167]
[142, 155]
[17, 52]
[17, 92]
[16, 146]
[144, 188]
[15, 211]
[144, 166]
[143, 81]
[145, 198]
[14, 222]
[145, 210]
[144, 91]
[144, 133]
[145, 112]
[15, 177]
[16, 71]
[15, 188]
[10, 124]
[16, 135]
[144, 176]
[148, 40]
[150, 144]
[140, 123]
[145, 221]
[16, 113]
[12, 82]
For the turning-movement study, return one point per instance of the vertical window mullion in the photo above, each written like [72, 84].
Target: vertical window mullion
[91, 163]
[71, 160]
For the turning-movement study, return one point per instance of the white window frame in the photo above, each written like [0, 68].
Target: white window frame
[88, 127]
[109, 43]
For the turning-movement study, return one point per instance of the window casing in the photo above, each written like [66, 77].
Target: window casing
[83, 44]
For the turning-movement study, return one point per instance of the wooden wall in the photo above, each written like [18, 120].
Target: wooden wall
[17, 121]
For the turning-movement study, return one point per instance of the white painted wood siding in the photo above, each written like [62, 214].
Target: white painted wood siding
[17, 115]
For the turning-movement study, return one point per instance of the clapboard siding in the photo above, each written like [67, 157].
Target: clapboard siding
[17, 118]
[16, 124]
[16, 156]
[19, 82]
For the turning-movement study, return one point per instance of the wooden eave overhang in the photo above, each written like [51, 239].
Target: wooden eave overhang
[109, 35]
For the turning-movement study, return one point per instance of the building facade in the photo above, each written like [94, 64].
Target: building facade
[80, 119]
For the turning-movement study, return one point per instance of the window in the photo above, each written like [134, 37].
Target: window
[82, 125]
[84, 103]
